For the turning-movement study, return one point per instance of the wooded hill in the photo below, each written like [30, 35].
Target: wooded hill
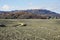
[29, 14]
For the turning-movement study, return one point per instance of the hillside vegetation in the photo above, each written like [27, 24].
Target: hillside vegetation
[35, 29]
[29, 14]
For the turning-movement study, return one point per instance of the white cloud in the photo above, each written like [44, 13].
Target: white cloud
[5, 7]
[29, 7]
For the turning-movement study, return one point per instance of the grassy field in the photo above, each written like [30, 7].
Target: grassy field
[36, 29]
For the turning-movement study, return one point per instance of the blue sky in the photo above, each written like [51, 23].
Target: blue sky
[7, 5]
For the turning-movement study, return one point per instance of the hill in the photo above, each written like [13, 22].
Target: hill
[29, 14]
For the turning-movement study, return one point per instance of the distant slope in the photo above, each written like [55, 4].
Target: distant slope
[43, 11]
[40, 11]
[29, 14]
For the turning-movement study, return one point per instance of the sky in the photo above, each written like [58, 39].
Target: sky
[8, 5]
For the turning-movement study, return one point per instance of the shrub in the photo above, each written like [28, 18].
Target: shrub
[2, 25]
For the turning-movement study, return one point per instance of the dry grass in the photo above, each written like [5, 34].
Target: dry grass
[36, 29]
